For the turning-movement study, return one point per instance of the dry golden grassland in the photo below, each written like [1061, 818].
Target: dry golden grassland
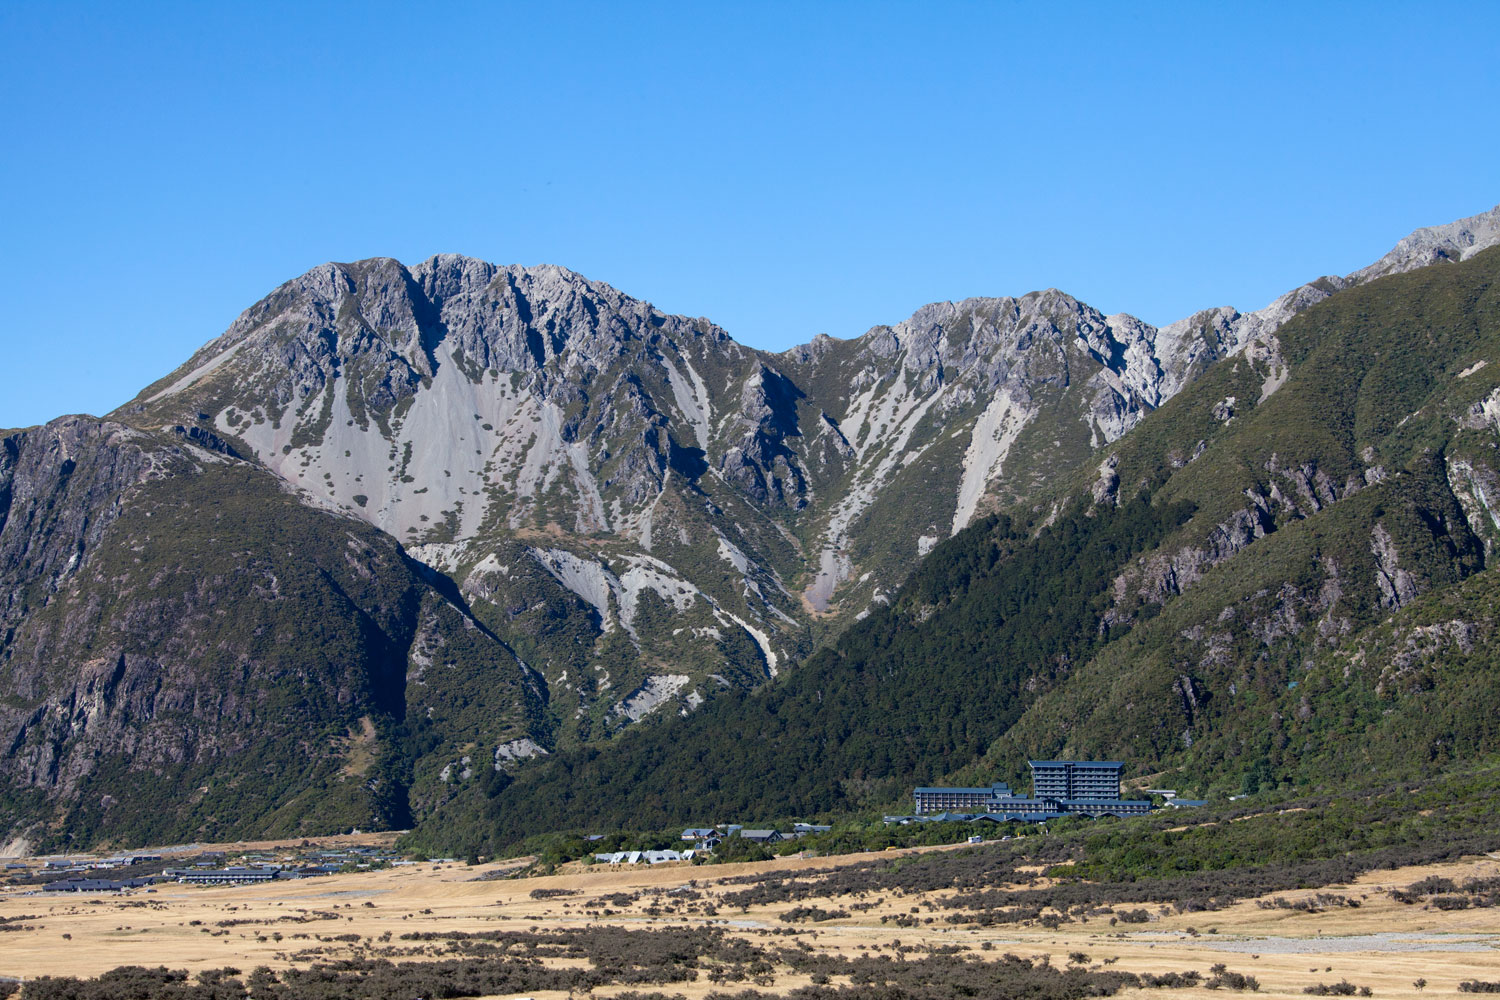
[1383, 944]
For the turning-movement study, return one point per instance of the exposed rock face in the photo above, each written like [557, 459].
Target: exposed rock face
[1476, 486]
[457, 402]
[1397, 586]
[59, 490]
[1437, 244]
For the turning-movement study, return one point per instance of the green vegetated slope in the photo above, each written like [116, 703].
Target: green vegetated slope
[1355, 613]
[1276, 578]
[218, 659]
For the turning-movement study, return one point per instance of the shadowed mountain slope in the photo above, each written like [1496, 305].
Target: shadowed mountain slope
[190, 649]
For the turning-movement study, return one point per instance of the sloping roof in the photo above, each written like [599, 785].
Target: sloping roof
[94, 885]
[939, 789]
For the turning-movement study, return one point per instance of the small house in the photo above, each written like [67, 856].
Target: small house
[761, 836]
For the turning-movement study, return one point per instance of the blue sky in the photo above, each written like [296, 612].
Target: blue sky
[784, 170]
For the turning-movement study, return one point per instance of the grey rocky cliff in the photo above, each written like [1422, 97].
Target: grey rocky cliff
[60, 489]
[1437, 244]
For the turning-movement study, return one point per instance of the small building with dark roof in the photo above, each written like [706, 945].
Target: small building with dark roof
[94, 884]
[761, 836]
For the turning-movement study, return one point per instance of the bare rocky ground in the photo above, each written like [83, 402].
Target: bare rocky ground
[1380, 943]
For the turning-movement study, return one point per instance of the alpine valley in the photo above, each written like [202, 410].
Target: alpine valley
[490, 551]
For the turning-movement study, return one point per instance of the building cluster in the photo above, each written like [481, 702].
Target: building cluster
[706, 838]
[93, 864]
[207, 868]
[644, 857]
[235, 874]
[1059, 788]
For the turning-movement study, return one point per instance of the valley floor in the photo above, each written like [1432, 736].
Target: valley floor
[1382, 944]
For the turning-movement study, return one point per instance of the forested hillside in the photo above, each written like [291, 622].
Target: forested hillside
[228, 661]
[1278, 577]
[427, 545]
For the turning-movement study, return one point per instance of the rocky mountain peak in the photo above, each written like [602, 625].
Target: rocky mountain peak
[1458, 240]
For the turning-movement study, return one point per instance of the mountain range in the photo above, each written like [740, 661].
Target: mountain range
[449, 541]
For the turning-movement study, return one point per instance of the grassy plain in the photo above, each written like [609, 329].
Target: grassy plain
[1381, 944]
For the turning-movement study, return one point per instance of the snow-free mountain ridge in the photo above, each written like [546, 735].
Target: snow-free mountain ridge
[625, 512]
[494, 416]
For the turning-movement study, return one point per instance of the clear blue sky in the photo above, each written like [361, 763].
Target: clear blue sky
[782, 169]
